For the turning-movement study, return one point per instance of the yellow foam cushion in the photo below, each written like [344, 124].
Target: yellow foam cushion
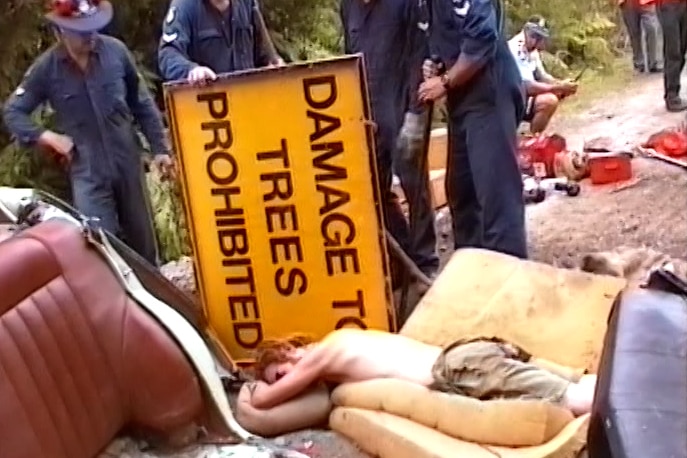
[389, 436]
[556, 314]
[512, 423]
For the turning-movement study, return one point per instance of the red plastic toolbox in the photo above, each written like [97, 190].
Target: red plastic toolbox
[610, 167]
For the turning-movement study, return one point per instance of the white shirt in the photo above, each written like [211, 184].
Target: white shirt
[529, 62]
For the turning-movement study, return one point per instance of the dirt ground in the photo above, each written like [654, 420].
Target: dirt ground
[652, 212]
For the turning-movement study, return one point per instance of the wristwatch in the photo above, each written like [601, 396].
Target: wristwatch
[445, 81]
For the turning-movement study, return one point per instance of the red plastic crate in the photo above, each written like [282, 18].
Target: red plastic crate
[610, 167]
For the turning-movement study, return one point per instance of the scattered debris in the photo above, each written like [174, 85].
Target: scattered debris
[626, 185]
[668, 142]
[129, 448]
[535, 190]
[653, 154]
[180, 273]
[547, 156]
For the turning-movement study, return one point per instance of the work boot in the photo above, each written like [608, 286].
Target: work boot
[675, 104]
[656, 69]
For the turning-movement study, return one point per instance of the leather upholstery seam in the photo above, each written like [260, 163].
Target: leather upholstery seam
[80, 353]
[32, 377]
[81, 307]
[13, 386]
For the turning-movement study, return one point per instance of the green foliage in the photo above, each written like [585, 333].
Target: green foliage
[304, 30]
[28, 168]
[168, 217]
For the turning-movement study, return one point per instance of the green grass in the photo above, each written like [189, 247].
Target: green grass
[595, 85]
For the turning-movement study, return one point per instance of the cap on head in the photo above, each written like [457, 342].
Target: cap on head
[537, 26]
[80, 15]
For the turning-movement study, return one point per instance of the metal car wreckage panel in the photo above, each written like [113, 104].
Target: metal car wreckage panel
[176, 312]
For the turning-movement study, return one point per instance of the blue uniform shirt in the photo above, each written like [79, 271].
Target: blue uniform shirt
[196, 33]
[388, 33]
[470, 28]
[97, 109]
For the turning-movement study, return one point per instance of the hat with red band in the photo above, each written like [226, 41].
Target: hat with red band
[80, 15]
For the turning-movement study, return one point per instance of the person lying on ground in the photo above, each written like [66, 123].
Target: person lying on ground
[543, 90]
[479, 368]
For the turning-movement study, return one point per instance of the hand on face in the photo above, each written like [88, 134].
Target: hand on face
[276, 371]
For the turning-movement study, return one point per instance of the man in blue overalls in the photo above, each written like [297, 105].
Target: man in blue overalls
[486, 103]
[388, 34]
[92, 83]
[202, 38]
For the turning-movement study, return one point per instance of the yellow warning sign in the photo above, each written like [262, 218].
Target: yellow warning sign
[282, 202]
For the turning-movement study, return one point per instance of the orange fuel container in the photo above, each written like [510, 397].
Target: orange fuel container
[607, 168]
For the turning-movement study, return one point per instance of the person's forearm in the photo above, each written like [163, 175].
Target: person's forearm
[548, 79]
[463, 71]
[259, 395]
[22, 126]
[307, 410]
[173, 64]
[534, 88]
[149, 119]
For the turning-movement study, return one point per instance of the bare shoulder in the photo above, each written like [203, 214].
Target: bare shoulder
[348, 336]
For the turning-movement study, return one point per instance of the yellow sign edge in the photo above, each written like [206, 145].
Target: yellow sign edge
[170, 88]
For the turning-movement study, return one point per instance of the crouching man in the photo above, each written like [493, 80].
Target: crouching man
[480, 368]
[544, 92]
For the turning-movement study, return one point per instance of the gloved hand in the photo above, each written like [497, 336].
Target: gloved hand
[410, 139]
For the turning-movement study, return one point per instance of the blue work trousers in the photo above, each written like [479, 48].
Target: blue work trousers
[412, 170]
[483, 181]
[122, 205]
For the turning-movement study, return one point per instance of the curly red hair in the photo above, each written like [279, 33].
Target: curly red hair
[276, 351]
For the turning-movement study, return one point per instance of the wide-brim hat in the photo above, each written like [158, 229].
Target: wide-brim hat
[88, 16]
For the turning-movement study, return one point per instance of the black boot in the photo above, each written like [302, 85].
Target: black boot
[675, 104]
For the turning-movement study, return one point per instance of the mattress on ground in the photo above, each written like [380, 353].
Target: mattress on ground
[510, 423]
[388, 436]
[640, 409]
[556, 314]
